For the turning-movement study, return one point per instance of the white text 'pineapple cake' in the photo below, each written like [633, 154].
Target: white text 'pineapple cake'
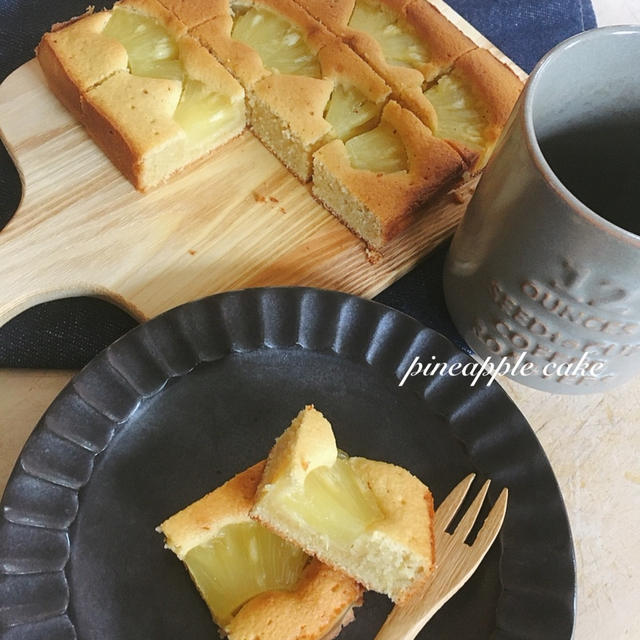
[152, 98]
[372, 520]
[255, 583]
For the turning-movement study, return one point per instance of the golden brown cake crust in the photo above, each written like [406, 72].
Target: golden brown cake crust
[128, 134]
[393, 197]
[293, 452]
[299, 102]
[74, 56]
[194, 12]
[342, 64]
[201, 520]
[322, 600]
[494, 86]
[401, 496]
[200, 65]
[334, 14]
[444, 41]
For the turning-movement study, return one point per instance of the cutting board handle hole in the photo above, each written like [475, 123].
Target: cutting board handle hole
[10, 188]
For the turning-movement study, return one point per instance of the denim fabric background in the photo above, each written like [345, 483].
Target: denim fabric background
[67, 333]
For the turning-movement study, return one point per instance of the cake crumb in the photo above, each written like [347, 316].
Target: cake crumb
[273, 199]
[458, 197]
[463, 193]
[373, 255]
[258, 198]
[192, 252]
[283, 210]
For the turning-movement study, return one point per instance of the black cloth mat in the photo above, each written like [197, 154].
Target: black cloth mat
[68, 333]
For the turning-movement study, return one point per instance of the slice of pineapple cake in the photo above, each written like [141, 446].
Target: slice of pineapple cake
[377, 181]
[408, 42]
[304, 86]
[256, 584]
[152, 98]
[372, 520]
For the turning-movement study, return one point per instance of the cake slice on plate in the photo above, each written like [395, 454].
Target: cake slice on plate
[371, 520]
[256, 584]
[152, 98]
[376, 182]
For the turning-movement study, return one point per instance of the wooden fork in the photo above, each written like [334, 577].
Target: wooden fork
[455, 560]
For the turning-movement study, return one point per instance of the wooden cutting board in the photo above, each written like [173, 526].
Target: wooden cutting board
[237, 220]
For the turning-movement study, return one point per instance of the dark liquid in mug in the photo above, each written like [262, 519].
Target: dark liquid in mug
[601, 167]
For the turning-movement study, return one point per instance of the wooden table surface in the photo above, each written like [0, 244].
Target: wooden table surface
[592, 442]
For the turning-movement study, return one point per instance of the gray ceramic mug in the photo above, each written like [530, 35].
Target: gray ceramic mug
[545, 267]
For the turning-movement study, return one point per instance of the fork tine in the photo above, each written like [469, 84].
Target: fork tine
[494, 520]
[466, 523]
[449, 506]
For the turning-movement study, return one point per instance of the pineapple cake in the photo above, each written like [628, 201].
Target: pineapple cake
[473, 103]
[151, 97]
[371, 520]
[341, 91]
[256, 584]
[409, 43]
[304, 86]
[376, 181]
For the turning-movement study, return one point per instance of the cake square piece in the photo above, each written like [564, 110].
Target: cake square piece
[372, 520]
[376, 181]
[256, 584]
[151, 97]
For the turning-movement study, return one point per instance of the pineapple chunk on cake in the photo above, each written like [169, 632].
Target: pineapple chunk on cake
[257, 38]
[409, 43]
[473, 103]
[152, 98]
[256, 584]
[280, 43]
[376, 183]
[358, 93]
[372, 520]
[304, 86]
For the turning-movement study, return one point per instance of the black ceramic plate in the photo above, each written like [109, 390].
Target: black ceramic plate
[198, 394]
